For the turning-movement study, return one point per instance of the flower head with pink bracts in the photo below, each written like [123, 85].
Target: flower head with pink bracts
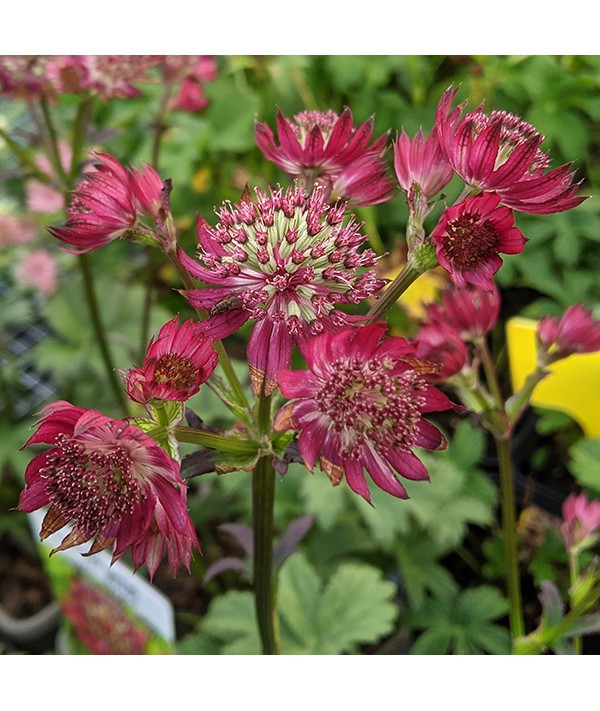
[360, 406]
[190, 72]
[177, 362]
[38, 269]
[423, 162]
[471, 312]
[25, 77]
[500, 152]
[577, 331]
[108, 75]
[113, 483]
[327, 149]
[581, 522]
[470, 235]
[287, 260]
[101, 623]
[107, 205]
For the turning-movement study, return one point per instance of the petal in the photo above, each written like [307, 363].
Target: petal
[269, 351]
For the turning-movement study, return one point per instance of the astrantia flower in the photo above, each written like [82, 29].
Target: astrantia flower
[107, 203]
[422, 162]
[177, 362]
[327, 149]
[286, 260]
[108, 75]
[470, 235]
[471, 312]
[38, 269]
[113, 483]
[190, 72]
[581, 521]
[577, 331]
[441, 344]
[361, 406]
[101, 623]
[500, 152]
[25, 77]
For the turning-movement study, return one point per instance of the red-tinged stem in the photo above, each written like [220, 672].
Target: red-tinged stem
[263, 500]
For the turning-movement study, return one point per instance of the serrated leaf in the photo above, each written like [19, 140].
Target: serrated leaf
[299, 598]
[481, 604]
[356, 608]
[231, 616]
[462, 623]
[585, 463]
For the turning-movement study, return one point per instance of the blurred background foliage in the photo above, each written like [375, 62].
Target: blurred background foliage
[412, 556]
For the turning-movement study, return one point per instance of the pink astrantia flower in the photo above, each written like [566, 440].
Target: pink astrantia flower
[422, 162]
[360, 406]
[177, 362]
[500, 152]
[25, 77]
[471, 311]
[190, 72]
[107, 203]
[113, 483]
[108, 75]
[39, 270]
[327, 149]
[101, 623]
[581, 521]
[286, 260]
[577, 331]
[469, 237]
[16, 230]
[440, 343]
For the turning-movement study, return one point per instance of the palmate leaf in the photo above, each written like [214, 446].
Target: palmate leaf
[315, 617]
[462, 622]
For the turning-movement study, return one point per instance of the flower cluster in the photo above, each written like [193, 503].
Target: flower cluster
[113, 483]
[360, 406]
[326, 149]
[177, 362]
[293, 261]
[100, 622]
[109, 203]
[287, 260]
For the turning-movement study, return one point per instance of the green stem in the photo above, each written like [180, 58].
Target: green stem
[263, 504]
[26, 162]
[99, 331]
[224, 443]
[407, 276]
[53, 143]
[509, 537]
[574, 575]
[82, 119]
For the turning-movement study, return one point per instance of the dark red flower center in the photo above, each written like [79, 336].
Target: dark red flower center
[469, 241]
[176, 371]
[365, 402]
[91, 486]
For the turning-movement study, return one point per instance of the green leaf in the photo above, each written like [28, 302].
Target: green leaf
[231, 618]
[356, 607]
[299, 599]
[462, 622]
[585, 463]
[321, 498]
